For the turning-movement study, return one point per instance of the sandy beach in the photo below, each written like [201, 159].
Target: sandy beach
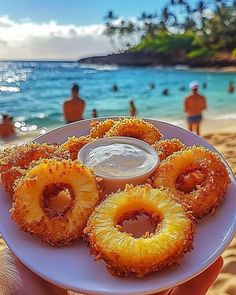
[222, 135]
[170, 61]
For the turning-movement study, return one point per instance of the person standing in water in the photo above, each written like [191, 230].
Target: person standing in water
[231, 87]
[194, 104]
[73, 108]
[94, 113]
[132, 110]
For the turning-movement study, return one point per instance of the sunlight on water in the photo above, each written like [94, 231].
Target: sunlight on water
[33, 92]
[9, 89]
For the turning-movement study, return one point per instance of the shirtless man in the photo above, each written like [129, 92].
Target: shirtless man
[74, 107]
[6, 127]
[194, 104]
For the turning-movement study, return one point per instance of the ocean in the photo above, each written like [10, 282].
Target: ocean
[33, 92]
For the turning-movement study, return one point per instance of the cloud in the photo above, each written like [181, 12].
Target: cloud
[5, 22]
[29, 40]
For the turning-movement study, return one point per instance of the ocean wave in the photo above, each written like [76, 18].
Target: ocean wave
[99, 67]
[11, 89]
[69, 65]
[14, 78]
[182, 67]
[226, 116]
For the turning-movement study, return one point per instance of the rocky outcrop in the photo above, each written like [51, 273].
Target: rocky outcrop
[143, 58]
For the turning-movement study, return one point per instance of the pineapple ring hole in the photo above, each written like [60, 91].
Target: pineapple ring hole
[57, 199]
[139, 223]
[190, 180]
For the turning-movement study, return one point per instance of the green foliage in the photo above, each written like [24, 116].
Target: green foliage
[234, 52]
[201, 29]
[166, 42]
[200, 52]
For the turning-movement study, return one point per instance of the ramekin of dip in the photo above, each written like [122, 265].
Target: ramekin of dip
[119, 161]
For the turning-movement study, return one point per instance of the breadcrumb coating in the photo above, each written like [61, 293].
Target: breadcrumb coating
[206, 196]
[123, 253]
[29, 208]
[167, 147]
[137, 128]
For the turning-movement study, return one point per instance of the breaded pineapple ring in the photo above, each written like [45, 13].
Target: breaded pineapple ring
[137, 128]
[74, 145]
[55, 228]
[100, 128]
[167, 147]
[16, 160]
[206, 196]
[126, 255]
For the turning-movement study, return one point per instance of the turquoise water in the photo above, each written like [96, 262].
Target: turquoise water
[33, 92]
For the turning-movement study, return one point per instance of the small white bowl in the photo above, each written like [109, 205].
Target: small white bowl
[113, 183]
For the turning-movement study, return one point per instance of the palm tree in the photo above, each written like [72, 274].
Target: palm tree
[149, 25]
[122, 29]
[168, 19]
[110, 17]
[185, 12]
[110, 29]
[178, 2]
[189, 24]
[200, 8]
[130, 32]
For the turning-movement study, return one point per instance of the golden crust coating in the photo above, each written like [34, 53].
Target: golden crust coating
[126, 255]
[100, 128]
[10, 177]
[208, 192]
[167, 147]
[74, 145]
[137, 128]
[29, 208]
[14, 161]
[188, 181]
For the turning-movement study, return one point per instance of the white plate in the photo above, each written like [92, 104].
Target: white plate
[72, 267]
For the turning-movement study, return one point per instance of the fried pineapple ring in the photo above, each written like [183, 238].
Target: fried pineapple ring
[137, 128]
[74, 145]
[16, 160]
[100, 128]
[126, 255]
[51, 179]
[206, 174]
[167, 147]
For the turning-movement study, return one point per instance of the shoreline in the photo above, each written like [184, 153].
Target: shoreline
[209, 125]
[228, 69]
[220, 133]
[177, 66]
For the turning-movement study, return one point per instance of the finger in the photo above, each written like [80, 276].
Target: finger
[16, 279]
[201, 283]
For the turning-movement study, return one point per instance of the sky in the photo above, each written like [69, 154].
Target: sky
[61, 29]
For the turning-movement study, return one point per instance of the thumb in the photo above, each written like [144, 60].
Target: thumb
[201, 283]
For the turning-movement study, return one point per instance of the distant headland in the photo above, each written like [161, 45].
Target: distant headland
[203, 35]
[145, 58]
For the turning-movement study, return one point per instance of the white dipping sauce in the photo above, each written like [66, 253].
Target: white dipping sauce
[119, 159]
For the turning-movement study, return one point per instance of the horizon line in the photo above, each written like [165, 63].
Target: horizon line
[38, 60]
